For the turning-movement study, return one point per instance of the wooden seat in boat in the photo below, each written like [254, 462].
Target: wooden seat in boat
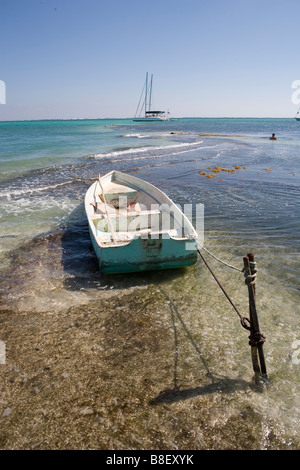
[118, 195]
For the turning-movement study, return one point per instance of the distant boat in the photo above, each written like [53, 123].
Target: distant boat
[144, 113]
[298, 115]
[134, 226]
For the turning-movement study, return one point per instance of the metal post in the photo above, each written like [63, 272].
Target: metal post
[256, 338]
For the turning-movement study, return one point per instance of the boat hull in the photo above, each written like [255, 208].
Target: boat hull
[145, 254]
[150, 119]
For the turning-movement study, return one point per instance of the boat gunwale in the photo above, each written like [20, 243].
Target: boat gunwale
[137, 184]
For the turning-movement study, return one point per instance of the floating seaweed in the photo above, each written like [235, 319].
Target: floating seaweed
[217, 169]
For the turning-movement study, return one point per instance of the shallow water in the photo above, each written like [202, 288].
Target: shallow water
[149, 360]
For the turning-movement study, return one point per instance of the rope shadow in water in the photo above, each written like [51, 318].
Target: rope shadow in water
[224, 385]
[218, 384]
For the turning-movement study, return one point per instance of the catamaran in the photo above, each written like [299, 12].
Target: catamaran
[144, 113]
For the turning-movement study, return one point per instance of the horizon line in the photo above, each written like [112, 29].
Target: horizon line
[130, 118]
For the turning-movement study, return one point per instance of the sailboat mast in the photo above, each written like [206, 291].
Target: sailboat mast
[146, 93]
[146, 99]
[150, 93]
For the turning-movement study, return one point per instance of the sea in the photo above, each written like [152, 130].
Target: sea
[152, 360]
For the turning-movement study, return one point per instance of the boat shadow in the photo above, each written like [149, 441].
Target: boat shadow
[80, 263]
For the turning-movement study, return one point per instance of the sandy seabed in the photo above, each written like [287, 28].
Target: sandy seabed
[130, 369]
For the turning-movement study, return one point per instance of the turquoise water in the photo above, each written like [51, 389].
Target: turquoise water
[46, 168]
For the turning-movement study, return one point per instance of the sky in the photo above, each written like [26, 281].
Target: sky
[88, 58]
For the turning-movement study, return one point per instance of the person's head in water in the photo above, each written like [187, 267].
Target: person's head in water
[273, 137]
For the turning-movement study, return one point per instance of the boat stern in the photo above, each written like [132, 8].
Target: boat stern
[148, 253]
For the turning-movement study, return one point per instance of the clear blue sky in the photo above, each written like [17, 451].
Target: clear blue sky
[88, 58]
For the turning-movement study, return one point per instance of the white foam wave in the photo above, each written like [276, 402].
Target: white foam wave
[20, 192]
[138, 136]
[134, 150]
[171, 154]
[146, 136]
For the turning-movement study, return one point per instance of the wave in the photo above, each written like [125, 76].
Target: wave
[172, 154]
[133, 150]
[32, 190]
[145, 136]
[138, 136]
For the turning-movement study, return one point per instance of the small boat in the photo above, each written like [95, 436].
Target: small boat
[144, 106]
[136, 227]
[297, 117]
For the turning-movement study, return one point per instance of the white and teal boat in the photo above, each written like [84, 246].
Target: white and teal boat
[136, 227]
[144, 113]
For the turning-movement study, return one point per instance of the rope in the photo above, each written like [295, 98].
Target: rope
[220, 261]
[243, 320]
[256, 338]
[250, 278]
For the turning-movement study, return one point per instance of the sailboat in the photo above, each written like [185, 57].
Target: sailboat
[144, 113]
[297, 117]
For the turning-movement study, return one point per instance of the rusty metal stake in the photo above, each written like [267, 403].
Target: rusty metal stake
[256, 338]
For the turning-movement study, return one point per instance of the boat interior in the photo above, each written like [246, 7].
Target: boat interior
[123, 213]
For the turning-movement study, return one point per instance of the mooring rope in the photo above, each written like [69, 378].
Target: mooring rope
[250, 278]
[218, 259]
[243, 320]
[256, 339]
